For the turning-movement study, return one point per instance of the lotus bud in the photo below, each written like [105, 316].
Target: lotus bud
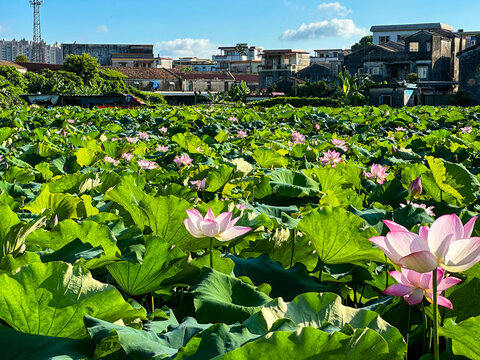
[415, 188]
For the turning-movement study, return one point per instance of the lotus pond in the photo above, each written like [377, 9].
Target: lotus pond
[239, 233]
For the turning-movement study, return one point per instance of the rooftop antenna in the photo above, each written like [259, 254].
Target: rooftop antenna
[37, 48]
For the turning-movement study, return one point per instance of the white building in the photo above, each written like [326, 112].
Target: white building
[249, 56]
[328, 55]
[385, 33]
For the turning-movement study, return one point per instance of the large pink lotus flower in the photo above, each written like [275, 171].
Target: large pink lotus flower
[340, 144]
[241, 134]
[146, 165]
[182, 160]
[111, 160]
[331, 157]
[413, 286]
[377, 172]
[221, 227]
[127, 156]
[466, 129]
[428, 210]
[447, 243]
[297, 138]
[199, 185]
[162, 148]
[143, 135]
[131, 140]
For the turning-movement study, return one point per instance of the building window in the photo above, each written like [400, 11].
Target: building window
[384, 39]
[400, 38]
[422, 72]
[375, 70]
[429, 46]
[190, 86]
[209, 86]
[413, 46]
[385, 100]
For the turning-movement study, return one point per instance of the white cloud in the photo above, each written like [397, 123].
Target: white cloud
[102, 29]
[334, 9]
[186, 47]
[345, 28]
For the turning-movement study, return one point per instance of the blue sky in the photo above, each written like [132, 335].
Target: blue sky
[188, 27]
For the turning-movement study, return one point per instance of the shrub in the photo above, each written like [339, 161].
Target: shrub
[13, 76]
[297, 102]
[149, 98]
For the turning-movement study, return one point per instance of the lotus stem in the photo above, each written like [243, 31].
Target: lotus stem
[436, 354]
[211, 253]
[408, 330]
[293, 246]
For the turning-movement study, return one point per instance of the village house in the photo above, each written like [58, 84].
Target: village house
[150, 79]
[469, 72]
[132, 55]
[193, 64]
[239, 58]
[20, 68]
[277, 64]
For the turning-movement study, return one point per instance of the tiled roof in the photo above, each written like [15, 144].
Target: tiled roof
[37, 67]
[144, 73]
[410, 27]
[12, 64]
[248, 78]
[204, 75]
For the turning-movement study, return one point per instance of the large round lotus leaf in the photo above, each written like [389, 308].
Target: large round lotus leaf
[225, 299]
[52, 299]
[310, 343]
[340, 237]
[324, 311]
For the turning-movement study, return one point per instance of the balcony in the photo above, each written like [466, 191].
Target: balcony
[276, 67]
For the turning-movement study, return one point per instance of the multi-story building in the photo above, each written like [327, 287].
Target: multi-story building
[193, 64]
[277, 64]
[469, 71]
[328, 55]
[239, 58]
[385, 33]
[163, 62]
[468, 38]
[114, 54]
[9, 50]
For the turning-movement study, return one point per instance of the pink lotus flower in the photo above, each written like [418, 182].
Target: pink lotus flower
[331, 157]
[182, 160]
[111, 160]
[71, 121]
[428, 210]
[114, 139]
[146, 165]
[241, 134]
[413, 286]
[199, 185]
[241, 207]
[447, 243]
[131, 140]
[198, 149]
[400, 128]
[466, 129]
[163, 129]
[377, 172]
[317, 127]
[340, 144]
[232, 119]
[221, 227]
[162, 148]
[143, 135]
[298, 138]
[415, 188]
[126, 156]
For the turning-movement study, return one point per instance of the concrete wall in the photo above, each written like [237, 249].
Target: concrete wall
[102, 52]
[470, 73]
[397, 95]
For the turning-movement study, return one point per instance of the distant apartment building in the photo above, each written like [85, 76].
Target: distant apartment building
[238, 58]
[193, 64]
[10, 49]
[120, 55]
[277, 64]
[385, 33]
[468, 38]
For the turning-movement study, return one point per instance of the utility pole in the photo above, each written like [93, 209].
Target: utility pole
[37, 48]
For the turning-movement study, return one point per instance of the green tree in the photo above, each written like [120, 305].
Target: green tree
[21, 58]
[363, 43]
[85, 66]
[13, 76]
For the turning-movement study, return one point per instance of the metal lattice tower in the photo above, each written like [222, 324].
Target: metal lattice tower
[37, 48]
